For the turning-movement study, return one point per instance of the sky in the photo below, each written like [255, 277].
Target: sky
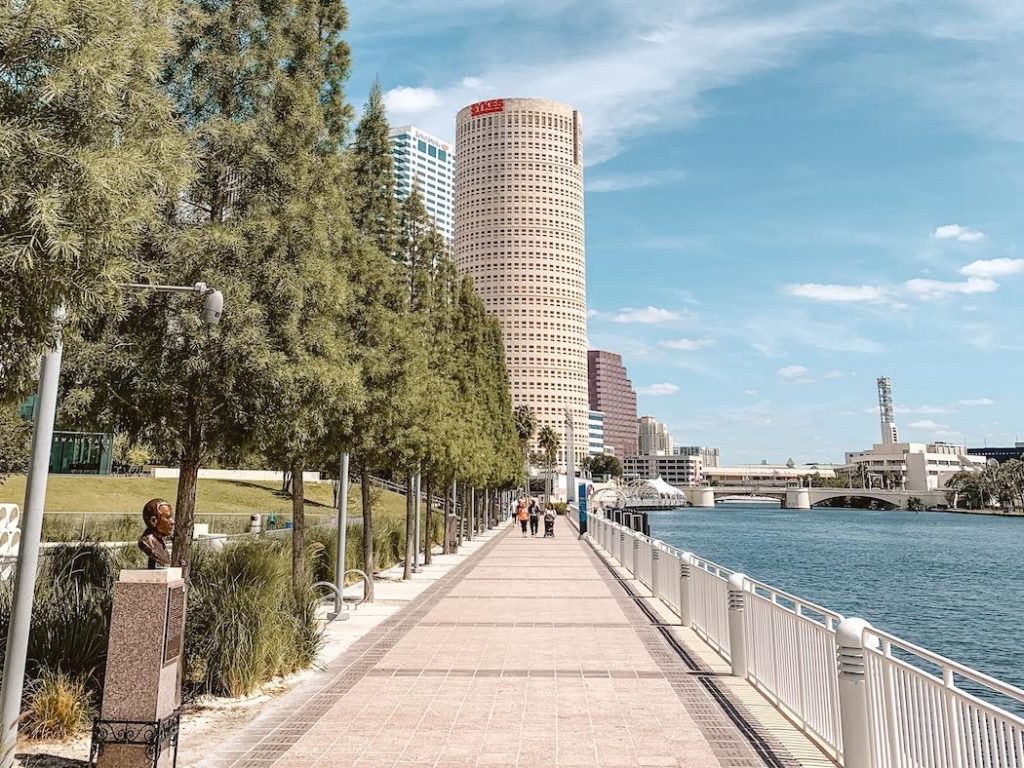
[784, 200]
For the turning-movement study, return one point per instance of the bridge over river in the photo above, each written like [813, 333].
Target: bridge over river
[789, 498]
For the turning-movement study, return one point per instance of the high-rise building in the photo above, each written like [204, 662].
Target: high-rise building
[654, 437]
[886, 411]
[427, 163]
[709, 457]
[595, 433]
[612, 393]
[519, 233]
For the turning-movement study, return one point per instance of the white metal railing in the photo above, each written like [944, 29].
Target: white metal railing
[791, 659]
[918, 715]
[710, 601]
[867, 698]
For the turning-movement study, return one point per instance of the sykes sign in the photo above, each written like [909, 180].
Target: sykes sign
[486, 107]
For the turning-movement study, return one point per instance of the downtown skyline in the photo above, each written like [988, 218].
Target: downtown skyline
[782, 204]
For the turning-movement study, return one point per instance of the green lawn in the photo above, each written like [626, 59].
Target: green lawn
[77, 502]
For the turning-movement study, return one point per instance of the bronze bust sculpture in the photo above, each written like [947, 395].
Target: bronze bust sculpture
[158, 515]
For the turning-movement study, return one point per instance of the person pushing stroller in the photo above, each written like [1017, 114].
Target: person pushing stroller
[549, 523]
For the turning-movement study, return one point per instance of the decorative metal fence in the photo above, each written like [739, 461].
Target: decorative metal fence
[867, 698]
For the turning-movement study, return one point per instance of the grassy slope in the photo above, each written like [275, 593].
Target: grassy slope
[126, 495]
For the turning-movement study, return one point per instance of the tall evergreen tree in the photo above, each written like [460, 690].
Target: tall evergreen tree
[88, 148]
[387, 356]
[374, 208]
[258, 88]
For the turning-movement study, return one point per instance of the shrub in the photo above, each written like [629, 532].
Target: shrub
[57, 706]
[245, 625]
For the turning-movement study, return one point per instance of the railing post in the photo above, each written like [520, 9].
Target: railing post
[738, 625]
[685, 590]
[635, 557]
[853, 700]
[655, 560]
[622, 547]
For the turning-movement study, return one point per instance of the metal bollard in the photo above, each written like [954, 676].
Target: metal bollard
[635, 557]
[686, 590]
[655, 560]
[853, 703]
[622, 547]
[737, 626]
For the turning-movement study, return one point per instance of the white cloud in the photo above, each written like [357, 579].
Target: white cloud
[989, 268]
[648, 72]
[750, 392]
[958, 233]
[834, 375]
[404, 100]
[688, 345]
[656, 390]
[872, 294]
[628, 181]
[795, 374]
[593, 313]
[976, 401]
[650, 315]
[936, 289]
[927, 424]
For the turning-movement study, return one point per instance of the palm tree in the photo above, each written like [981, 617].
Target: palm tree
[549, 445]
[526, 425]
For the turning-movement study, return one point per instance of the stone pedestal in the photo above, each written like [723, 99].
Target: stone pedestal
[138, 723]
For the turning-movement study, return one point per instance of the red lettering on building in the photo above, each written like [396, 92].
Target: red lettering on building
[487, 107]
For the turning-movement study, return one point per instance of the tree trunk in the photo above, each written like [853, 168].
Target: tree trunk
[461, 509]
[298, 526]
[364, 493]
[446, 509]
[410, 525]
[428, 519]
[526, 470]
[185, 510]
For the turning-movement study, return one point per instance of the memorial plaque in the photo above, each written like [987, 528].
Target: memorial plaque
[174, 627]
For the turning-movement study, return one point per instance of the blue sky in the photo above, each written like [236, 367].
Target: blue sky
[785, 199]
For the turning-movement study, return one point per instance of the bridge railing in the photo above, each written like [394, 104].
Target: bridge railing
[866, 697]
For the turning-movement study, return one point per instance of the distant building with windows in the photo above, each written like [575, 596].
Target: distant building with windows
[595, 433]
[427, 163]
[999, 454]
[914, 466]
[709, 457]
[611, 392]
[679, 471]
[655, 439]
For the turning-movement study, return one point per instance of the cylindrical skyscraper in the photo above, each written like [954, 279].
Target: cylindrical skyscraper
[519, 233]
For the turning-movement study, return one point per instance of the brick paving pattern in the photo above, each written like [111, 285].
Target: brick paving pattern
[529, 654]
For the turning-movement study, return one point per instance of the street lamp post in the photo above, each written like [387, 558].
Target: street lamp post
[16, 654]
[570, 459]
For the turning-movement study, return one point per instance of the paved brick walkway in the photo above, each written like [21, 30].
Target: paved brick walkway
[529, 654]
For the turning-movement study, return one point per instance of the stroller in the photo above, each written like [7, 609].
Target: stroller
[549, 523]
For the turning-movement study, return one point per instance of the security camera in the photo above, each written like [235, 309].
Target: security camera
[213, 307]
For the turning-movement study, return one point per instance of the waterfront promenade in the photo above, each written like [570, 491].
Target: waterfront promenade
[533, 652]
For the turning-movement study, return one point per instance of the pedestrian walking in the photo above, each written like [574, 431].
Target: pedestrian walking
[523, 515]
[549, 522]
[534, 516]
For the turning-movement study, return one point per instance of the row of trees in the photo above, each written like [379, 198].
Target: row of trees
[997, 485]
[177, 142]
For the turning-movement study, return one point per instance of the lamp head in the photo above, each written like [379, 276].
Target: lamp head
[213, 307]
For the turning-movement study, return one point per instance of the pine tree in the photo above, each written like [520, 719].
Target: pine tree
[258, 89]
[88, 147]
[374, 209]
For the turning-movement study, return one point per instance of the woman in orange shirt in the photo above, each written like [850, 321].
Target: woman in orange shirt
[523, 515]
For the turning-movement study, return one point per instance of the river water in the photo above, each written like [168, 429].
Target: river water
[952, 583]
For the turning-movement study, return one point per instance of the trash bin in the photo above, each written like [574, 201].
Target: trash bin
[255, 523]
